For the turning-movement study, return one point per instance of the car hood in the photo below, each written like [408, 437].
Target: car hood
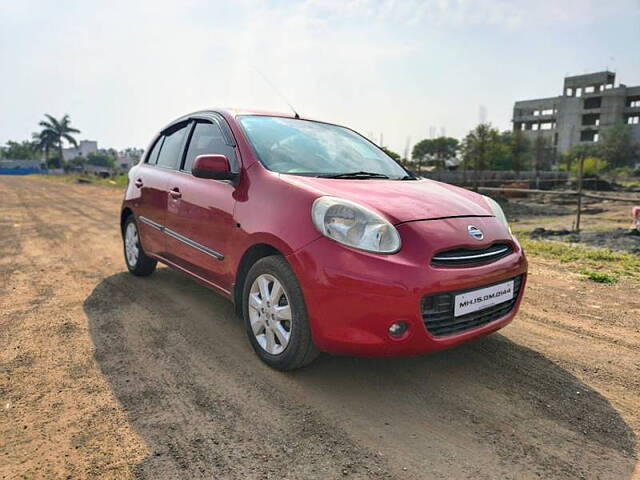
[400, 201]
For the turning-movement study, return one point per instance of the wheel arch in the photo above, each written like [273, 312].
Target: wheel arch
[124, 214]
[249, 257]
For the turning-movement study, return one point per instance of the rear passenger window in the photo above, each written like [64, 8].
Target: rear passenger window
[171, 151]
[152, 158]
[207, 138]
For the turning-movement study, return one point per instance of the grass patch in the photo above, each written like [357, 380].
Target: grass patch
[603, 263]
[599, 277]
[119, 181]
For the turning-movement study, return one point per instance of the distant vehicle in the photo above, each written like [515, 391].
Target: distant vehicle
[322, 241]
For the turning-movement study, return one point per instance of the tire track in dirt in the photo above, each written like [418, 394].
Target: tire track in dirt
[116, 376]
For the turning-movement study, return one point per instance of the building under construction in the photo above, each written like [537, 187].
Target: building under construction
[589, 105]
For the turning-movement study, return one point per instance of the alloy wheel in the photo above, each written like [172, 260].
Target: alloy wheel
[270, 314]
[131, 244]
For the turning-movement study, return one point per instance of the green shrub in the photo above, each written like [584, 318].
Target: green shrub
[599, 277]
[592, 166]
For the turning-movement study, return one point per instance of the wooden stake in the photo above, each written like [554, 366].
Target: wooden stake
[579, 212]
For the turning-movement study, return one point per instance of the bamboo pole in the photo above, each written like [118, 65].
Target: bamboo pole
[579, 212]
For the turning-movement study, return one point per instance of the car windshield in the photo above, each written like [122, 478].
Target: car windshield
[302, 147]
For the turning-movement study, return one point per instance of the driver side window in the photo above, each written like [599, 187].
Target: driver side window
[207, 138]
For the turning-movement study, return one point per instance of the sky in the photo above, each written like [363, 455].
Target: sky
[392, 69]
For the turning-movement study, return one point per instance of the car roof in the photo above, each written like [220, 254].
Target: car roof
[235, 112]
[229, 112]
[244, 111]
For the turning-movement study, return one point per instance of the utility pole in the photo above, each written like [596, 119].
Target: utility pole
[538, 153]
[580, 171]
[476, 173]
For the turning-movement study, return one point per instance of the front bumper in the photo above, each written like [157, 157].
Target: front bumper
[352, 297]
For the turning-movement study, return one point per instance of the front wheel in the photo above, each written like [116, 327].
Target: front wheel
[275, 315]
[138, 262]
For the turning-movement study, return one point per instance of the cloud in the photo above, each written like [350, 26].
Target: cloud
[508, 14]
[123, 68]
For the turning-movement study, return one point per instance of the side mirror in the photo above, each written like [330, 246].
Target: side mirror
[213, 166]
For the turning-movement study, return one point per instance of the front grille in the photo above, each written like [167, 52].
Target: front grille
[437, 311]
[460, 257]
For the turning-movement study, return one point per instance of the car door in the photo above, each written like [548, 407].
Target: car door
[168, 161]
[199, 219]
[150, 206]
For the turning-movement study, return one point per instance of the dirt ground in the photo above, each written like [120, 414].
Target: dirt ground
[103, 375]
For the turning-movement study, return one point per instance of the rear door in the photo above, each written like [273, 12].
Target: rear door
[150, 206]
[167, 164]
[199, 219]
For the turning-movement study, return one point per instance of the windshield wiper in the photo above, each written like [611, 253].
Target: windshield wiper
[354, 175]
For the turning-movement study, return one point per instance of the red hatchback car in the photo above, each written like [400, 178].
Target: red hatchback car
[322, 241]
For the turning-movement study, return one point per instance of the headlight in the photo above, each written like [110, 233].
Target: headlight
[497, 211]
[354, 225]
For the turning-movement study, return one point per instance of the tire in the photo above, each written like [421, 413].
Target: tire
[137, 261]
[269, 320]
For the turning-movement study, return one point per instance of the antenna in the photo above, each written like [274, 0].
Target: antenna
[282, 97]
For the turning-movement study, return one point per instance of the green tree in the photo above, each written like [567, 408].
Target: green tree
[616, 147]
[78, 161]
[592, 166]
[440, 149]
[499, 156]
[391, 153]
[542, 153]
[45, 141]
[53, 162]
[520, 148]
[24, 150]
[477, 145]
[582, 150]
[101, 159]
[53, 133]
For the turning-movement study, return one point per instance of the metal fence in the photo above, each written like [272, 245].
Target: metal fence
[497, 177]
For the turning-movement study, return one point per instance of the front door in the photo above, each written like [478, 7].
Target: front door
[199, 221]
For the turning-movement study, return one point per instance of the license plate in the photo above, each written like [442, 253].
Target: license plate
[482, 298]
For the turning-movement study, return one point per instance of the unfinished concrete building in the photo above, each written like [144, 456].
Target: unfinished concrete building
[589, 105]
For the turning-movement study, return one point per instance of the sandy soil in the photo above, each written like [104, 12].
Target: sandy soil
[103, 375]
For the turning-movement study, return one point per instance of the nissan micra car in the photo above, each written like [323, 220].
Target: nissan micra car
[322, 241]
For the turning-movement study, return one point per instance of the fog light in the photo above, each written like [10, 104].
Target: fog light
[397, 329]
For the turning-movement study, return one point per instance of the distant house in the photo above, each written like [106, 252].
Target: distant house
[85, 147]
[452, 163]
[127, 159]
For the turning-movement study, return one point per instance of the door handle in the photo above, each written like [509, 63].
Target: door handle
[175, 193]
[138, 183]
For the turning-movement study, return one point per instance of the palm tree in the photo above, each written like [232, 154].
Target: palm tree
[44, 142]
[53, 132]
